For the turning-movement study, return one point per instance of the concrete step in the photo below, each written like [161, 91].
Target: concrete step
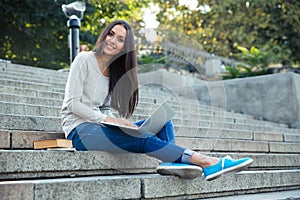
[22, 99]
[30, 92]
[209, 141]
[143, 110]
[14, 94]
[141, 113]
[28, 122]
[254, 126]
[221, 132]
[151, 97]
[20, 139]
[277, 195]
[56, 82]
[148, 89]
[29, 109]
[30, 85]
[244, 182]
[187, 108]
[184, 106]
[77, 175]
[24, 70]
[237, 145]
[46, 164]
[48, 123]
[149, 186]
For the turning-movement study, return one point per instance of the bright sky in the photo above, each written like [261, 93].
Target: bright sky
[152, 10]
[150, 16]
[191, 4]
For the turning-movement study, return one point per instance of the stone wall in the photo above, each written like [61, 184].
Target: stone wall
[271, 97]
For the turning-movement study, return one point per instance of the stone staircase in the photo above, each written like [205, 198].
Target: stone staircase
[30, 101]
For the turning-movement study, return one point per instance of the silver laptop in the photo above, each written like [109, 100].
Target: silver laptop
[153, 124]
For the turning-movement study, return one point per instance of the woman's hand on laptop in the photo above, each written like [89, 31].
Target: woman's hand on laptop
[120, 121]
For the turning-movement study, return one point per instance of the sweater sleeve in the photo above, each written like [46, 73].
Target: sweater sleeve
[105, 108]
[74, 91]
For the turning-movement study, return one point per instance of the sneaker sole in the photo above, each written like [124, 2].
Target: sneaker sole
[189, 172]
[236, 168]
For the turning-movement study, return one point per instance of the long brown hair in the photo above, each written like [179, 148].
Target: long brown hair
[123, 81]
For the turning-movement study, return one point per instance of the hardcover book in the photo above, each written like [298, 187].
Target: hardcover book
[55, 143]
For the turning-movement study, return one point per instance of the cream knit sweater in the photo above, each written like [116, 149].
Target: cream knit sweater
[86, 92]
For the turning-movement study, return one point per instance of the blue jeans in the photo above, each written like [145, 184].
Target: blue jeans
[96, 137]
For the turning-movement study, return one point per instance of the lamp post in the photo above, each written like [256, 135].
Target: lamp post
[74, 11]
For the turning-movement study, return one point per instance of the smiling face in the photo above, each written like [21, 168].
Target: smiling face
[115, 40]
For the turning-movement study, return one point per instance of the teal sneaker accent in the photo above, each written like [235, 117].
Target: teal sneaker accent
[182, 170]
[226, 164]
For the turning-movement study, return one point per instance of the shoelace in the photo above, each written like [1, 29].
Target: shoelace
[223, 160]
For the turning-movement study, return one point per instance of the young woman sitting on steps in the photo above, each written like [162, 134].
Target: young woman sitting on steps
[106, 78]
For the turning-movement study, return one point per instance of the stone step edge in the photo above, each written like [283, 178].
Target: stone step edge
[291, 194]
[150, 186]
[258, 126]
[277, 131]
[35, 77]
[52, 81]
[35, 163]
[12, 67]
[10, 138]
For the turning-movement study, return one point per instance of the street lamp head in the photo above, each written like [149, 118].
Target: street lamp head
[76, 8]
[74, 11]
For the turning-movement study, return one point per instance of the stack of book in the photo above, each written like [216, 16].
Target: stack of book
[55, 144]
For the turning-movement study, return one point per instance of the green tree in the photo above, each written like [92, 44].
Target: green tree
[35, 32]
[254, 62]
[221, 25]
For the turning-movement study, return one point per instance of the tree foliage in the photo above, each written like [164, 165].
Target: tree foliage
[221, 25]
[34, 32]
[254, 62]
[101, 12]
